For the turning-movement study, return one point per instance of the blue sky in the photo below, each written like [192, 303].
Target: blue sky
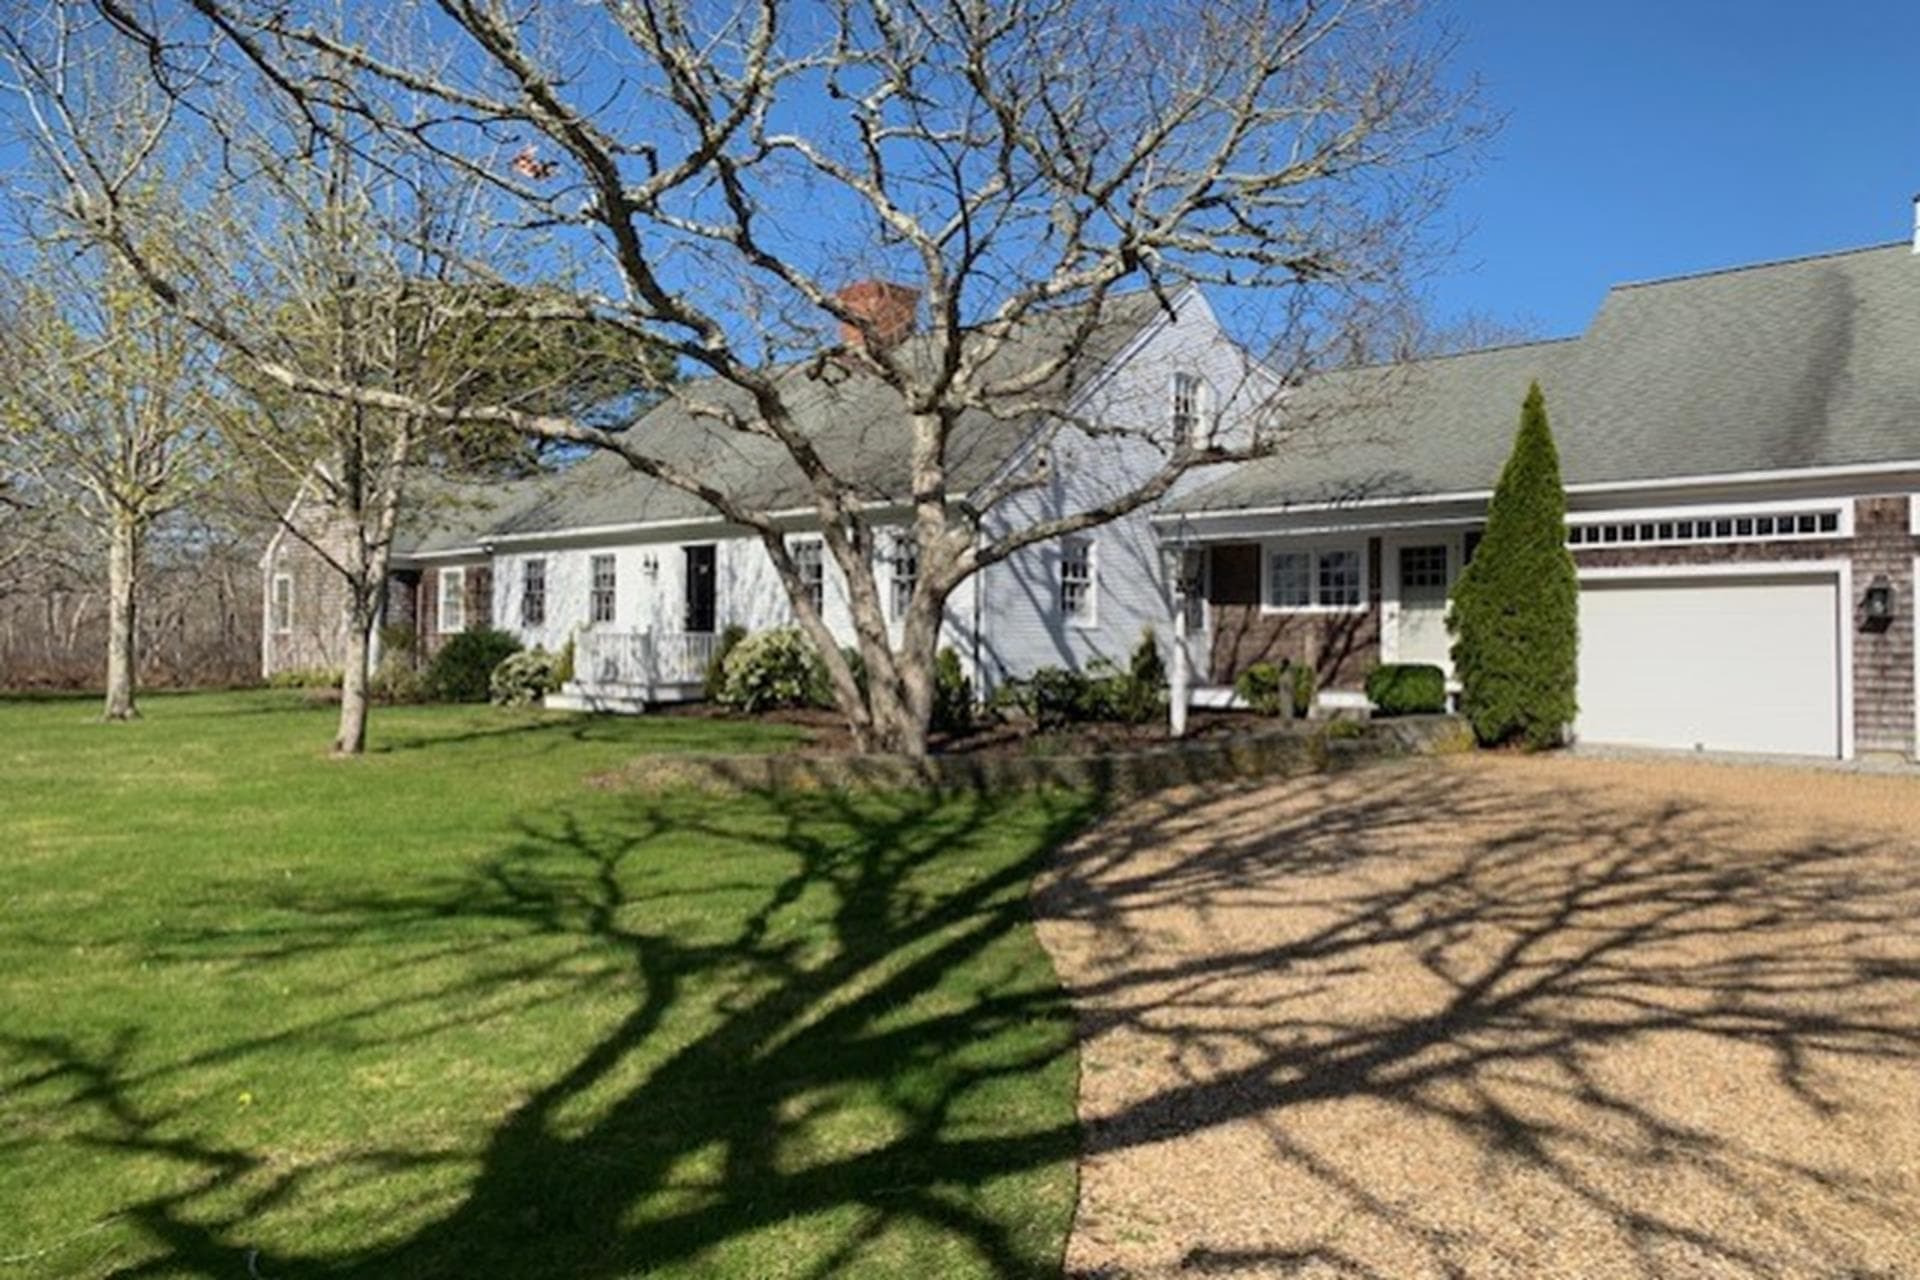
[1646, 139]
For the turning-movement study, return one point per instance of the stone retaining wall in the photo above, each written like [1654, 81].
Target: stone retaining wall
[1288, 750]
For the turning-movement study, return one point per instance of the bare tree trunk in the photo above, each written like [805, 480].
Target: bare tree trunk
[351, 738]
[123, 555]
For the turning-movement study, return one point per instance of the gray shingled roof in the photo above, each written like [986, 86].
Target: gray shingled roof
[855, 420]
[1807, 363]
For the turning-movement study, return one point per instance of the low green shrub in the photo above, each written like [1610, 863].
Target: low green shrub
[772, 669]
[952, 695]
[398, 637]
[1306, 683]
[729, 639]
[463, 669]
[563, 664]
[1407, 689]
[306, 678]
[522, 679]
[1261, 687]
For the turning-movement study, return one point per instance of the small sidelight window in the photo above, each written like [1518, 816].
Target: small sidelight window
[809, 559]
[453, 600]
[282, 608]
[533, 593]
[600, 599]
[1077, 584]
[906, 573]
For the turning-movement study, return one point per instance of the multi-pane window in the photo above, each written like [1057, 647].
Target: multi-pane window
[1709, 528]
[282, 603]
[533, 593]
[1188, 411]
[810, 563]
[600, 597]
[1290, 580]
[1076, 580]
[1315, 578]
[1339, 579]
[453, 600]
[906, 572]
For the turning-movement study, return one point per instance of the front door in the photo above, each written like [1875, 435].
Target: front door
[1424, 573]
[701, 589]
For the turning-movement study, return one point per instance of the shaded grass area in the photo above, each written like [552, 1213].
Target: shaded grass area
[446, 1011]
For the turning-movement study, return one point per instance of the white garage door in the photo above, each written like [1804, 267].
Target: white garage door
[1734, 664]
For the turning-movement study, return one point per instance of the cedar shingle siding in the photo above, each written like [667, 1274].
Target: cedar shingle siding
[1342, 647]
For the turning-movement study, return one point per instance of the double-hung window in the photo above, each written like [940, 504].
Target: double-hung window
[906, 573]
[1078, 603]
[1189, 409]
[453, 600]
[1315, 578]
[533, 593]
[810, 563]
[600, 597]
[282, 621]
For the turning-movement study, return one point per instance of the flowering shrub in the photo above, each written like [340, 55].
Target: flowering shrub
[522, 679]
[772, 669]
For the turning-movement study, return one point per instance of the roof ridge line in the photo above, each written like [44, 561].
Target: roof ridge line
[1762, 265]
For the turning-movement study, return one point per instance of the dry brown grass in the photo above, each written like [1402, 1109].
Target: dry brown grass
[1500, 1017]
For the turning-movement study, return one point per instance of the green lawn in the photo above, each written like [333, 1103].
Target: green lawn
[450, 1011]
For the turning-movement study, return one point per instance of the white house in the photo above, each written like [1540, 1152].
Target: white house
[643, 576]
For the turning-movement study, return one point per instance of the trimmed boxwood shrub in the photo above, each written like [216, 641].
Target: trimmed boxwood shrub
[1407, 689]
[1260, 686]
[463, 669]
[952, 695]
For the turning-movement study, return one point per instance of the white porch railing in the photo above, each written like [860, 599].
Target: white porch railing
[642, 658]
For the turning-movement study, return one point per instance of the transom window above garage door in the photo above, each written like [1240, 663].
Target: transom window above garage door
[1750, 526]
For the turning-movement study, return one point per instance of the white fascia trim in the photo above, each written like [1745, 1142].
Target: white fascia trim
[703, 525]
[286, 519]
[1840, 570]
[1592, 487]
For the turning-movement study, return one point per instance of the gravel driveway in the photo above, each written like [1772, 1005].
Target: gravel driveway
[1500, 1017]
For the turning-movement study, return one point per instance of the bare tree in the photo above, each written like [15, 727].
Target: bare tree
[707, 176]
[107, 406]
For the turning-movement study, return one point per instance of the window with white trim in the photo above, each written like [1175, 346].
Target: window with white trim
[1078, 587]
[533, 593]
[600, 594]
[453, 601]
[1314, 578]
[809, 561]
[282, 604]
[1750, 526]
[905, 574]
[1189, 408]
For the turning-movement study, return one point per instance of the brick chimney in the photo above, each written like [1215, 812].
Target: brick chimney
[889, 310]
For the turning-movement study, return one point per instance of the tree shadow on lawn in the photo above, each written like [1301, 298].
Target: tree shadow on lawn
[840, 1048]
[855, 1063]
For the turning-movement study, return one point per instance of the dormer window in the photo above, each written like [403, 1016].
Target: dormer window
[1189, 409]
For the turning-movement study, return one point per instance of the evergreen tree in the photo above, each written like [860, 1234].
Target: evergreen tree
[1516, 608]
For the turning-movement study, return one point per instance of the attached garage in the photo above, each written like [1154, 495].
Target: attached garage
[1749, 662]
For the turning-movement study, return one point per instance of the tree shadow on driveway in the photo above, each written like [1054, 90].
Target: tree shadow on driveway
[1498, 1018]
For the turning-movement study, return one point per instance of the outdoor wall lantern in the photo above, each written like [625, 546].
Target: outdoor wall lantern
[1879, 602]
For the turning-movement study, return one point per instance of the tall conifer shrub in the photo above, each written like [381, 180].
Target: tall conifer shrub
[1516, 608]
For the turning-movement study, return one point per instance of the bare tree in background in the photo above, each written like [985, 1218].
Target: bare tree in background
[107, 406]
[704, 177]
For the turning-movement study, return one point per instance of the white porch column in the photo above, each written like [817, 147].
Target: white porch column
[1179, 691]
